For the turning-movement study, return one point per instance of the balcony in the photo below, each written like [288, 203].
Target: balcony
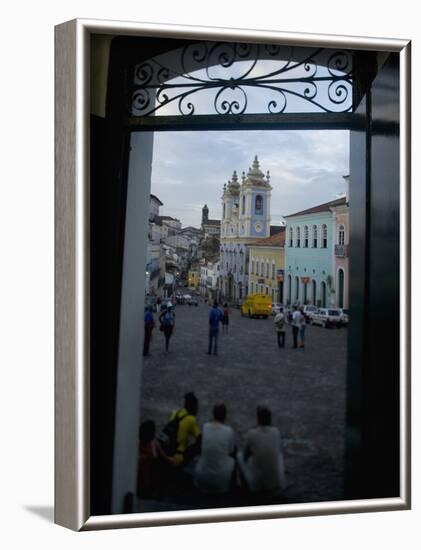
[341, 250]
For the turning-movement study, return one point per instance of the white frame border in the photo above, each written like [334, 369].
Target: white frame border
[72, 503]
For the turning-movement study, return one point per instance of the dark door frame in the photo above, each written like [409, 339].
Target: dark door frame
[109, 172]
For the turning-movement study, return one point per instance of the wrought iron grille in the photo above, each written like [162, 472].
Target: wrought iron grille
[220, 78]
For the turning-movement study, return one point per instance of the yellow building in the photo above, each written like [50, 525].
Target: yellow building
[267, 267]
[194, 278]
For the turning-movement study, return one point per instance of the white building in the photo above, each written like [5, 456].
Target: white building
[209, 278]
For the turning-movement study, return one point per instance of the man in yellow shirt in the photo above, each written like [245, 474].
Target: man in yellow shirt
[188, 434]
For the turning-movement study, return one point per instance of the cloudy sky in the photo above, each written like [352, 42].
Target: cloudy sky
[190, 168]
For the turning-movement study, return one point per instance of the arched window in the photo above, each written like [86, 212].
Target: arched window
[298, 230]
[324, 236]
[267, 269]
[297, 289]
[290, 237]
[223, 212]
[252, 266]
[306, 236]
[257, 267]
[273, 270]
[341, 235]
[314, 236]
[258, 204]
[289, 288]
[243, 204]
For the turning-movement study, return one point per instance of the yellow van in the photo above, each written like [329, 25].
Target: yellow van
[257, 305]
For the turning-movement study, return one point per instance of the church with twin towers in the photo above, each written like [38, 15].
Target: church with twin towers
[245, 221]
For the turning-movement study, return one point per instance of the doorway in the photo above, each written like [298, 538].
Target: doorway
[111, 210]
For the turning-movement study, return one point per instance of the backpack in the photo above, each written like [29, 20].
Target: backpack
[280, 323]
[168, 436]
[168, 319]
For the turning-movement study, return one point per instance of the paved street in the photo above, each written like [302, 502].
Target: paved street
[305, 389]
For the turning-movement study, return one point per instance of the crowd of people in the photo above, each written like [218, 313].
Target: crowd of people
[210, 457]
[166, 317]
[220, 316]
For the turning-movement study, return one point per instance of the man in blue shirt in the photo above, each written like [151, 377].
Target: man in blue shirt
[215, 317]
[149, 325]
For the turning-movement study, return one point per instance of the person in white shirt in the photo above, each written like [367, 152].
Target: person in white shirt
[296, 325]
[262, 461]
[279, 322]
[215, 467]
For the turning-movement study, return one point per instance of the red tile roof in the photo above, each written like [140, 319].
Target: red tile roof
[320, 208]
[275, 240]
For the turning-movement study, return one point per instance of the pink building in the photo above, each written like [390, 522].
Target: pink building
[340, 266]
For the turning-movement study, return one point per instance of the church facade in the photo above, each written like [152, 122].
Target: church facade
[245, 221]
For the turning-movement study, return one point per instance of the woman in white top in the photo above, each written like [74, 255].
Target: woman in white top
[215, 467]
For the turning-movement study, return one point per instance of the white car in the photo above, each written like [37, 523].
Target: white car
[327, 317]
[344, 315]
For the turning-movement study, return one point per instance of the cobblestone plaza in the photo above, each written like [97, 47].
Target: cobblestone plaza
[304, 388]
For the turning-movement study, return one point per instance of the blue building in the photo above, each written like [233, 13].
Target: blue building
[309, 255]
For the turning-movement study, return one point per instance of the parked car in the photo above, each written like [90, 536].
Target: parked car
[327, 318]
[257, 305]
[193, 301]
[344, 315]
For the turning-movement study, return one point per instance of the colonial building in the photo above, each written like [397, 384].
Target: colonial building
[309, 254]
[209, 277]
[245, 221]
[170, 226]
[210, 227]
[267, 267]
[193, 277]
[155, 256]
[341, 251]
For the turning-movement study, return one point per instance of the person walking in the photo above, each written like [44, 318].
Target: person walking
[296, 325]
[279, 322]
[215, 317]
[225, 318]
[303, 323]
[167, 320]
[149, 325]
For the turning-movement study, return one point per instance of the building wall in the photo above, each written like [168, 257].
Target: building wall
[314, 264]
[194, 279]
[266, 281]
[341, 217]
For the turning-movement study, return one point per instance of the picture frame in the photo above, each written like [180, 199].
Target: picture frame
[380, 402]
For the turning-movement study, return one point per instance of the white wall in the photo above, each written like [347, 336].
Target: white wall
[26, 219]
[131, 320]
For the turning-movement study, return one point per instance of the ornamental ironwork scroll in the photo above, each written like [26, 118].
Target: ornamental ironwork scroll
[224, 78]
